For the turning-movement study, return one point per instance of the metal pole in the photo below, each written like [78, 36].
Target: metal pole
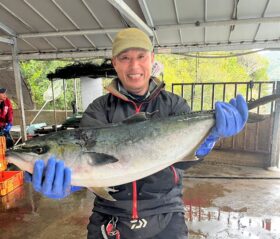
[275, 145]
[76, 94]
[65, 103]
[31, 122]
[35, 117]
[54, 111]
[19, 89]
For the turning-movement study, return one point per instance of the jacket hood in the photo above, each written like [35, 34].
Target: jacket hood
[155, 86]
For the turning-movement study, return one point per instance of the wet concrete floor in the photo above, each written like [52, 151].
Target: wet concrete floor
[225, 201]
[216, 207]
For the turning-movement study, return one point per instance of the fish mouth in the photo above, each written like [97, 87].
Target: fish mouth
[21, 160]
[36, 149]
[10, 153]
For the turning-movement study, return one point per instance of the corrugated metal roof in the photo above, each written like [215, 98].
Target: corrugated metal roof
[85, 28]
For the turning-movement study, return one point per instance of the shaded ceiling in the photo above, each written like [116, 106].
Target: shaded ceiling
[74, 29]
[53, 29]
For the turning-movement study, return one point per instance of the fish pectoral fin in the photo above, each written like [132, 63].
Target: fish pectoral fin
[100, 159]
[188, 164]
[102, 192]
[188, 161]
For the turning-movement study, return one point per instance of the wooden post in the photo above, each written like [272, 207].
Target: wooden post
[275, 144]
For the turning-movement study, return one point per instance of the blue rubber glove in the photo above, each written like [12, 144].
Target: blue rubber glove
[206, 147]
[230, 119]
[53, 181]
[7, 128]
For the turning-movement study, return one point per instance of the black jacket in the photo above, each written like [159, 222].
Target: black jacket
[160, 192]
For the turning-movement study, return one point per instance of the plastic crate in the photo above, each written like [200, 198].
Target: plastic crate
[3, 161]
[12, 199]
[10, 180]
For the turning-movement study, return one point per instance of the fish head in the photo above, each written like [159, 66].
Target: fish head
[57, 145]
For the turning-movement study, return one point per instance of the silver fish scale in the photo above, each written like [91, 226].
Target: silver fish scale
[121, 153]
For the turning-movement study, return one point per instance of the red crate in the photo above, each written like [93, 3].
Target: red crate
[3, 161]
[12, 198]
[10, 180]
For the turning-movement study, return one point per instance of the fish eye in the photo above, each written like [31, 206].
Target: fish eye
[39, 150]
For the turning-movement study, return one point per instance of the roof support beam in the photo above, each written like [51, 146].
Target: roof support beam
[205, 20]
[6, 40]
[268, 45]
[263, 15]
[59, 55]
[148, 18]
[220, 23]
[47, 21]
[146, 12]
[177, 18]
[163, 27]
[8, 30]
[72, 21]
[68, 33]
[127, 12]
[95, 17]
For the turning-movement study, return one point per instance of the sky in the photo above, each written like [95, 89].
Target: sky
[274, 64]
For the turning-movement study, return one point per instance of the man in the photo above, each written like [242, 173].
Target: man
[6, 117]
[151, 207]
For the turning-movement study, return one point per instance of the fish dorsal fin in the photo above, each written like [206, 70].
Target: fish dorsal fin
[138, 117]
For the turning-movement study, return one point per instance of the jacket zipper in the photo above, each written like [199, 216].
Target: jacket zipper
[176, 176]
[134, 215]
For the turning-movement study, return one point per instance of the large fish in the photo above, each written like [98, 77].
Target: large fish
[118, 153]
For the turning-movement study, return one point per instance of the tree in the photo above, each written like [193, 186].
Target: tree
[177, 69]
[35, 72]
[185, 69]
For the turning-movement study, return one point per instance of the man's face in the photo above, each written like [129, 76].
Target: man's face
[134, 69]
[3, 96]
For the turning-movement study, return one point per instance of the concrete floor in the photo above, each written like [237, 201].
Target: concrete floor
[221, 202]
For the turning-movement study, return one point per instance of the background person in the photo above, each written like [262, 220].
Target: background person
[6, 117]
[156, 199]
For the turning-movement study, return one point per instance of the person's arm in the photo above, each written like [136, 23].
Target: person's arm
[95, 114]
[7, 128]
[9, 116]
[230, 119]
[179, 105]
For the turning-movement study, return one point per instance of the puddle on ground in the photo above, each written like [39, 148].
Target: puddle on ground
[25, 213]
[206, 220]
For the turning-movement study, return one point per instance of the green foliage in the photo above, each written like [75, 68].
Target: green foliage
[35, 72]
[177, 69]
[184, 69]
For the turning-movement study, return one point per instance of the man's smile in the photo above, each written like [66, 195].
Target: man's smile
[135, 76]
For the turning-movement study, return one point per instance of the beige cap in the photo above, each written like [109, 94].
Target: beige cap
[131, 38]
